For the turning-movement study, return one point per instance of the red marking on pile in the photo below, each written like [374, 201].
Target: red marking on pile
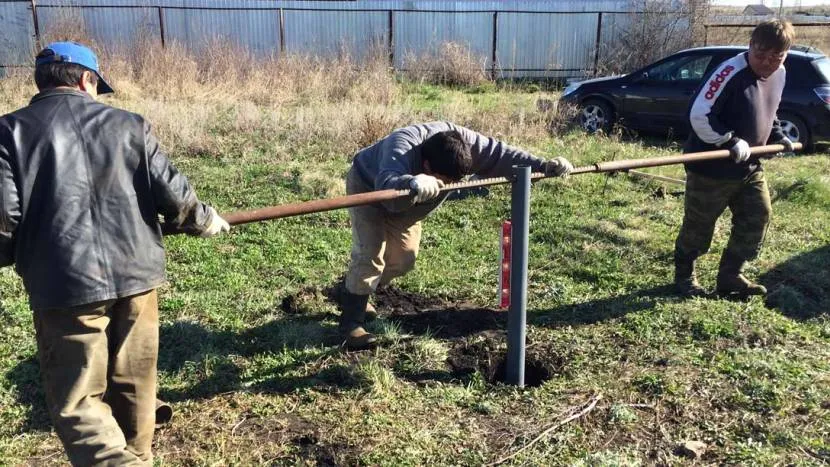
[504, 276]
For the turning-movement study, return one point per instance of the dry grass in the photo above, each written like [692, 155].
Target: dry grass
[210, 104]
[204, 106]
[451, 64]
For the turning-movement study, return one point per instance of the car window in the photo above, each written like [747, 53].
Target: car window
[680, 69]
[799, 73]
[823, 67]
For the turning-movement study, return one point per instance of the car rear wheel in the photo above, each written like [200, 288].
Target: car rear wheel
[795, 129]
[596, 115]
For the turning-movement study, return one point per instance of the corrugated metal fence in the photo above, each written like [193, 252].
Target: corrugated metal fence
[525, 40]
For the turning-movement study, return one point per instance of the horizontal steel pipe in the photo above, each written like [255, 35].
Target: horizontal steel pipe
[373, 197]
[613, 166]
[308, 207]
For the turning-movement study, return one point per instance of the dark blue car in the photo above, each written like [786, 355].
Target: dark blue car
[657, 97]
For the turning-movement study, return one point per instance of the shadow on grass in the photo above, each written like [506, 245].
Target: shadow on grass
[596, 311]
[800, 287]
[209, 358]
[299, 348]
[452, 321]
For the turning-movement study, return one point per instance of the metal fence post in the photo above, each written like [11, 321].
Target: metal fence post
[391, 39]
[282, 32]
[36, 25]
[517, 314]
[161, 27]
[598, 42]
[495, 43]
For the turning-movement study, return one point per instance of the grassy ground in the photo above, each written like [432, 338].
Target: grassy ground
[249, 355]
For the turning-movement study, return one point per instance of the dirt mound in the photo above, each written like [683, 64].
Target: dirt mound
[418, 314]
[291, 430]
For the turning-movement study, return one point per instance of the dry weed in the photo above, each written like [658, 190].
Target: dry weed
[68, 25]
[452, 64]
[227, 102]
[16, 89]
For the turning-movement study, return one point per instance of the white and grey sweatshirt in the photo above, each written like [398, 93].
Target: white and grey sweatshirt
[734, 103]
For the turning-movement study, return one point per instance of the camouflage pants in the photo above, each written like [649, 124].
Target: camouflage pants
[707, 198]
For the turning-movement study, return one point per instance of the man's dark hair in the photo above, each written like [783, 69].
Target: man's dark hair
[54, 74]
[448, 154]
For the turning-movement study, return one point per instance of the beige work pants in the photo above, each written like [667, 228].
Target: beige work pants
[384, 245]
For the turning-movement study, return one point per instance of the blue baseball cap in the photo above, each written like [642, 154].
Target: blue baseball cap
[72, 52]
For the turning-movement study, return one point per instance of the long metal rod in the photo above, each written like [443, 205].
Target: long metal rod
[373, 197]
[517, 314]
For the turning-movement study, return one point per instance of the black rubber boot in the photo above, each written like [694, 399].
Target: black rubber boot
[732, 282]
[685, 280]
[340, 297]
[352, 318]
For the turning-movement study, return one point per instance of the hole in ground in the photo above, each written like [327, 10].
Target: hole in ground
[536, 373]
[487, 354]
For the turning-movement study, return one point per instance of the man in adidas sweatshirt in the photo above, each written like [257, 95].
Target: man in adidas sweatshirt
[735, 109]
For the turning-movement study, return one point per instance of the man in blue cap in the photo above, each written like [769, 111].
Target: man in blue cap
[85, 195]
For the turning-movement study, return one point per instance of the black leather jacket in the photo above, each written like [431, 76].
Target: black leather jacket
[82, 186]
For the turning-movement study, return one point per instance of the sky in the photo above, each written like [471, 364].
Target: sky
[771, 3]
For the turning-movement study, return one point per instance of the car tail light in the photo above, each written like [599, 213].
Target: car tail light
[823, 94]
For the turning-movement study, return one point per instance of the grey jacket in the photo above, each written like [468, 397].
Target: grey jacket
[395, 160]
[82, 186]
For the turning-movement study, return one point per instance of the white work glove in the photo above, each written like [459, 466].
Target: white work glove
[740, 151]
[217, 225]
[426, 187]
[787, 143]
[558, 167]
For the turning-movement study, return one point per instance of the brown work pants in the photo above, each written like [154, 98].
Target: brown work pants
[707, 198]
[98, 364]
[384, 245]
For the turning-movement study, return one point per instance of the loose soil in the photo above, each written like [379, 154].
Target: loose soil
[477, 336]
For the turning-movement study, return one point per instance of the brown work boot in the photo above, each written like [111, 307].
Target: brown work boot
[732, 282]
[352, 317]
[685, 280]
[360, 339]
